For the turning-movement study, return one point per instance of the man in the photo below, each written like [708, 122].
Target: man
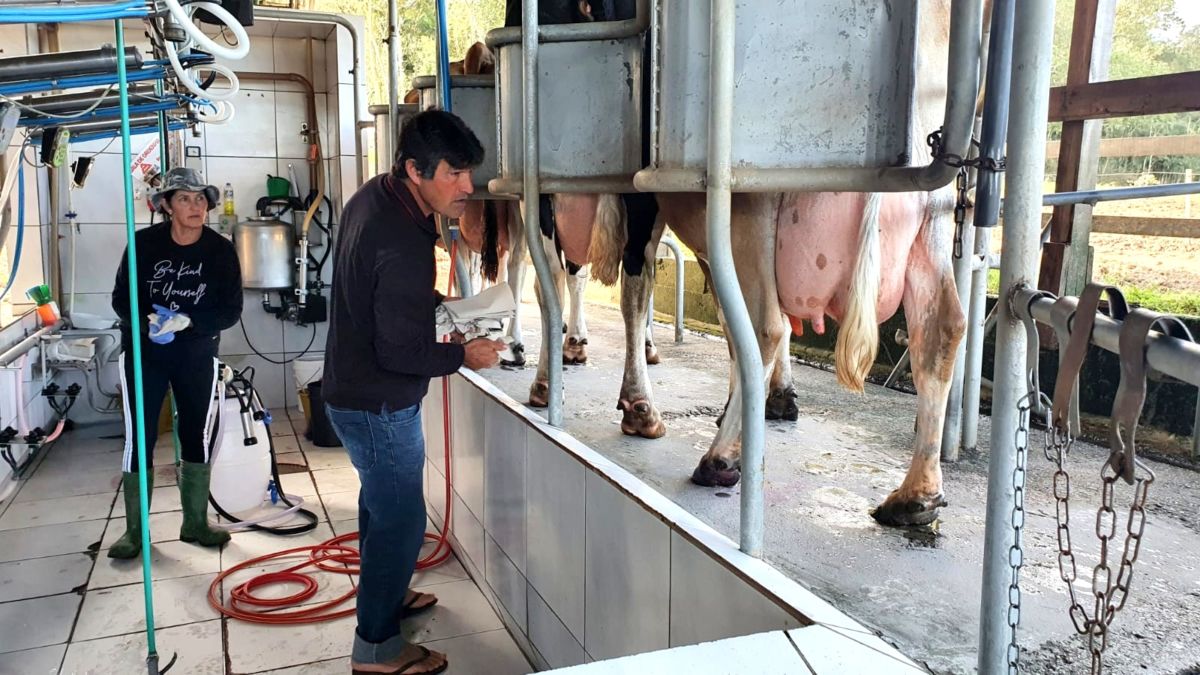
[380, 357]
[189, 290]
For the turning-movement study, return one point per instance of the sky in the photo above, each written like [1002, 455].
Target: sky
[1189, 11]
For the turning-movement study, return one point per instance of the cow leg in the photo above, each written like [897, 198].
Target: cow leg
[753, 236]
[639, 417]
[935, 327]
[781, 394]
[576, 340]
[539, 391]
[514, 273]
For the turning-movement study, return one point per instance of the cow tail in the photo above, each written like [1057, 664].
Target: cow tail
[607, 244]
[858, 335]
[490, 254]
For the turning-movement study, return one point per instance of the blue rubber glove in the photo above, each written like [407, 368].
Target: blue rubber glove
[164, 323]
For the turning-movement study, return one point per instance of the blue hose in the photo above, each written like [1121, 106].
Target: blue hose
[20, 224]
[30, 14]
[99, 113]
[443, 46]
[33, 86]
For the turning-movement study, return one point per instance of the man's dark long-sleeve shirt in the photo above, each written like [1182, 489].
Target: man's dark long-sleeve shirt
[382, 348]
[202, 280]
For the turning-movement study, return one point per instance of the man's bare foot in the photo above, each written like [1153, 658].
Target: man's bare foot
[415, 660]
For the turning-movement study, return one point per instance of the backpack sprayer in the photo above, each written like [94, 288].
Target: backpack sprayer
[245, 473]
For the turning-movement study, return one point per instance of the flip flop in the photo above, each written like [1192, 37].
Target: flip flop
[412, 609]
[403, 668]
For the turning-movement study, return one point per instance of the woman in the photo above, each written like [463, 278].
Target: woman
[189, 290]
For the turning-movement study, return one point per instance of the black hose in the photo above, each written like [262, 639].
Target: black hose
[311, 340]
[251, 395]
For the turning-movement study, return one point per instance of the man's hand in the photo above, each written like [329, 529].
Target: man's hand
[482, 353]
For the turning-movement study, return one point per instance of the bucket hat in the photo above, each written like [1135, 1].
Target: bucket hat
[183, 178]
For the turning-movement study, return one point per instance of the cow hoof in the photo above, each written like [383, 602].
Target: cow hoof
[518, 352]
[709, 474]
[539, 394]
[908, 512]
[652, 358]
[781, 405]
[639, 418]
[575, 351]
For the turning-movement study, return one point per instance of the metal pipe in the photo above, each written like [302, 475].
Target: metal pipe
[591, 184]
[272, 13]
[393, 43]
[456, 81]
[64, 64]
[576, 32]
[1033, 32]
[1196, 433]
[14, 352]
[106, 124]
[314, 128]
[963, 78]
[1117, 194]
[987, 209]
[725, 282]
[71, 103]
[1179, 359]
[977, 330]
[679, 279]
[550, 303]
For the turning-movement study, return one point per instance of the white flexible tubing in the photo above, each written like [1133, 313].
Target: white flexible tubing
[189, 82]
[297, 502]
[184, 19]
[223, 114]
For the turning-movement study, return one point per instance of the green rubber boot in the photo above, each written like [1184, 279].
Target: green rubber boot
[193, 493]
[130, 543]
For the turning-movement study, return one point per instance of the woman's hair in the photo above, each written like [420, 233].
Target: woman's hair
[431, 136]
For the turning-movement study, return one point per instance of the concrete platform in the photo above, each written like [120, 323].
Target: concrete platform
[920, 590]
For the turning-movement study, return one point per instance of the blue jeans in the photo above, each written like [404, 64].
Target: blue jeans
[388, 451]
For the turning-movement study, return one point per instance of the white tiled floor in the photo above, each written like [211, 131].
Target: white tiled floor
[67, 608]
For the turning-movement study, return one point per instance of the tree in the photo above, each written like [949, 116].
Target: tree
[469, 21]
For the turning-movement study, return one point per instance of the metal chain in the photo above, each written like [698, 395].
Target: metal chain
[1016, 555]
[1109, 597]
[961, 204]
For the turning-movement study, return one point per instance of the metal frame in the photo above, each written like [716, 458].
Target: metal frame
[963, 78]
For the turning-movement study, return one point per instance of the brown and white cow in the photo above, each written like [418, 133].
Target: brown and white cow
[856, 258]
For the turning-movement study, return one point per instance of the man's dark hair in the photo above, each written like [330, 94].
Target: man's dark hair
[433, 135]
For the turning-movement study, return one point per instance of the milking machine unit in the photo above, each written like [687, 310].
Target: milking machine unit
[276, 256]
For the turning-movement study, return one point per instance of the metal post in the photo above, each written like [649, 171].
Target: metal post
[679, 280]
[135, 314]
[987, 209]
[1196, 433]
[1033, 33]
[952, 430]
[393, 43]
[725, 282]
[550, 304]
[462, 274]
[1187, 199]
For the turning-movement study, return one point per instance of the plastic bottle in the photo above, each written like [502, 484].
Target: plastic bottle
[229, 210]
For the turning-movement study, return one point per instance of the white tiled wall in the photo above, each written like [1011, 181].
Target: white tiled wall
[263, 138]
[568, 547]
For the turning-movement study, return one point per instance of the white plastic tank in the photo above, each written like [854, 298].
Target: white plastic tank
[240, 472]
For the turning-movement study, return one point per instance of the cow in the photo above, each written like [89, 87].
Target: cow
[599, 236]
[856, 258]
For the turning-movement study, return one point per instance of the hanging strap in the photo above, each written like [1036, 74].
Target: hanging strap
[1080, 330]
[1131, 392]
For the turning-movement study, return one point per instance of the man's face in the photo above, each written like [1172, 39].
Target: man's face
[446, 193]
[188, 209]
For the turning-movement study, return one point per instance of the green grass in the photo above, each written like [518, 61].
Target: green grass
[1156, 299]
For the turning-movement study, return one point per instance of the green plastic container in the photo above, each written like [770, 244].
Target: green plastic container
[39, 294]
[278, 187]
